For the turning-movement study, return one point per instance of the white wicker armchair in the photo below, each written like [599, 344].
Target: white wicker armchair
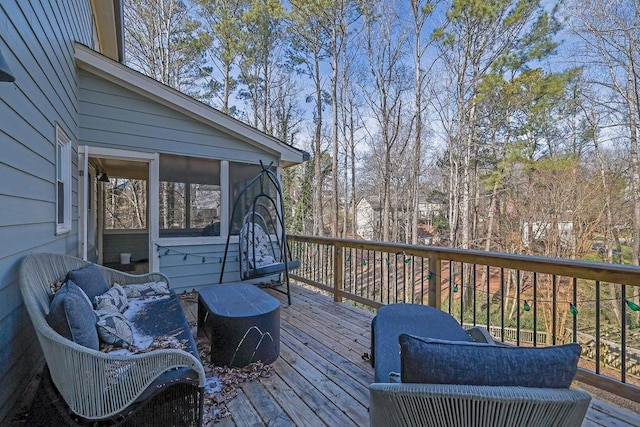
[94, 385]
[405, 405]
[436, 366]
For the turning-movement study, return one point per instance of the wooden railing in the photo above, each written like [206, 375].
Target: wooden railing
[520, 298]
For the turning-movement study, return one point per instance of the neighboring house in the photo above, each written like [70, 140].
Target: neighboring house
[369, 218]
[369, 211]
[428, 211]
[75, 113]
[539, 231]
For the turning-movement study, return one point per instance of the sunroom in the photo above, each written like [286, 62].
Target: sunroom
[158, 173]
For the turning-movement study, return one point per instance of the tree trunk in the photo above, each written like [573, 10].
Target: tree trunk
[609, 227]
[318, 222]
[417, 144]
[335, 206]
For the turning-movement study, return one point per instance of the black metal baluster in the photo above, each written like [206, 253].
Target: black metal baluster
[475, 298]
[518, 307]
[623, 338]
[450, 284]
[488, 298]
[421, 280]
[502, 303]
[535, 309]
[461, 293]
[597, 327]
[316, 270]
[554, 309]
[575, 304]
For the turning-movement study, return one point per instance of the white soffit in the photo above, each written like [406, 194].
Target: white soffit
[107, 26]
[101, 66]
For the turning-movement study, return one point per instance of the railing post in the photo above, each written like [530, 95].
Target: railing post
[338, 273]
[435, 273]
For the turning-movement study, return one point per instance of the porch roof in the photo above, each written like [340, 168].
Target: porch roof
[108, 69]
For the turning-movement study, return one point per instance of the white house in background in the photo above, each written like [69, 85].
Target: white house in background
[369, 218]
[74, 113]
[539, 230]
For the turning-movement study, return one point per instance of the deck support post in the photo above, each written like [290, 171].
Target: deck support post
[338, 273]
[434, 277]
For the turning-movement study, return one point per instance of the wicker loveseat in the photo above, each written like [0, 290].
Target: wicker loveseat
[161, 387]
[451, 378]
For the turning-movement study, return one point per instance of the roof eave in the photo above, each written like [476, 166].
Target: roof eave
[108, 20]
[99, 65]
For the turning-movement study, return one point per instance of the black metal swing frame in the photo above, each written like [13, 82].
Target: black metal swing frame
[260, 221]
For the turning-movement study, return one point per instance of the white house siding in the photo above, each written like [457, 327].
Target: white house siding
[365, 225]
[36, 39]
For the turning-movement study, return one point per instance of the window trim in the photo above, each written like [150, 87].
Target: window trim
[63, 176]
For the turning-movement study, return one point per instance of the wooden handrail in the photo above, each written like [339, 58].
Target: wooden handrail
[389, 266]
[615, 273]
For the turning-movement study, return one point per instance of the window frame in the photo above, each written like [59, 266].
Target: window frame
[176, 177]
[63, 180]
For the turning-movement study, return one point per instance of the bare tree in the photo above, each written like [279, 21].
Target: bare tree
[421, 11]
[385, 45]
[610, 34]
[308, 53]
[164, 42]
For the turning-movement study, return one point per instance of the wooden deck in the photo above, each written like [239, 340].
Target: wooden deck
[321, 378]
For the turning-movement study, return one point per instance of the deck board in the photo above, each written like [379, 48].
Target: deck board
[321, 378]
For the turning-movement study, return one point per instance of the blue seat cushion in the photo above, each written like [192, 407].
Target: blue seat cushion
[90, 280]
[414, 319]
[71, 315]
[165, 316]
[433, 361]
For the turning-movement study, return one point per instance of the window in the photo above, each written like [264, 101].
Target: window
[63, 182]
[240, 174]
[125, 202]
[189, 196]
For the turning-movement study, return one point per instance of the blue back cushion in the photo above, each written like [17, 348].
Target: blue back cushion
[90, 280]
[414, 319]
[432, 361]
[72, 316]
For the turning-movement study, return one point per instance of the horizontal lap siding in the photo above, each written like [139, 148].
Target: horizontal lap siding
[114, 117]
[135, 244]
[36, 39]
[191, 273]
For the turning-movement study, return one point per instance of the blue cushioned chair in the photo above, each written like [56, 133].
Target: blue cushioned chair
[413, 319]
[454, 365]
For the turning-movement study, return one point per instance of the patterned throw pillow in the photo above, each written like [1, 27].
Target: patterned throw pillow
[255, 245]
[114, 328]
[141, 290]
[71, 315]
[116, 297]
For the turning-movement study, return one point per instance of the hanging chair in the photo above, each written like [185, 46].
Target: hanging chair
[263, 249]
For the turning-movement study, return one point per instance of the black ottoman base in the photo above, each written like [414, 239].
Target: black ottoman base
[242, 323]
